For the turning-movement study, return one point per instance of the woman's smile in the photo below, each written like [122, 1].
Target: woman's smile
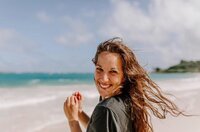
[104, 86]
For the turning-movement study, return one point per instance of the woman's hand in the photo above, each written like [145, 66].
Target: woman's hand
[83, 117]
[74, 112]
[79, 97]
[71, 108]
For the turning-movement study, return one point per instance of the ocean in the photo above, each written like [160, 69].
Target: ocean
[33, 102]
[16, 80]
[33, 79]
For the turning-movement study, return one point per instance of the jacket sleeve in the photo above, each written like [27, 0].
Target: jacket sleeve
[103, 120]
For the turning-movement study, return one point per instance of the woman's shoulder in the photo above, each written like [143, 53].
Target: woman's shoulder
[115, 103]
[112, 111]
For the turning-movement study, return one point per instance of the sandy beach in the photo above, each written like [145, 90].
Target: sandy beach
[188, 101]
[40, 109]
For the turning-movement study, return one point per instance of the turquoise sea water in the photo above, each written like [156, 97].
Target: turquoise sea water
[29, 79]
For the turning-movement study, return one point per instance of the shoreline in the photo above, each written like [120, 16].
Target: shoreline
[40, 109]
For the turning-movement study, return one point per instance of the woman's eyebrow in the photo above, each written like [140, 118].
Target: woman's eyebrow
[114, 69]
[98, 65]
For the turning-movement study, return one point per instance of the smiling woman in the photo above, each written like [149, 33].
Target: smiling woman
[109, 75]
[127, 94]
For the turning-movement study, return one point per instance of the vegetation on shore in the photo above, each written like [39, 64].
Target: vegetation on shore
[183, 66]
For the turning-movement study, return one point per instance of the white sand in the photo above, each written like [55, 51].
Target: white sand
[41, 109]
[188, 103]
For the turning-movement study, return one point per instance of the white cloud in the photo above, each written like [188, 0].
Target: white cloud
[10, 41]
[77, 33]
[43, 16]
[168, 28]
[75, 38]
[5, 36]
[17, 53]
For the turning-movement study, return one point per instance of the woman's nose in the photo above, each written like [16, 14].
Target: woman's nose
[105, 78]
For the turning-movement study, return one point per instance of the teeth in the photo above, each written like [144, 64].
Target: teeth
[104, 86]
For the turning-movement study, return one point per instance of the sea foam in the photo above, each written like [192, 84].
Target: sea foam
[30, 101]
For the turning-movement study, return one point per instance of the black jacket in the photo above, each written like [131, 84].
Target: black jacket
[112, 115]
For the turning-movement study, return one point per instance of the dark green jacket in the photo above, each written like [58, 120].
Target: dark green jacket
[111, 115]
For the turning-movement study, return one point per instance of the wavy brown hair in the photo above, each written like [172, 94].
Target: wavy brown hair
[146, 95]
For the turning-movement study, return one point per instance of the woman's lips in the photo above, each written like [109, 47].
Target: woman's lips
[104, 86]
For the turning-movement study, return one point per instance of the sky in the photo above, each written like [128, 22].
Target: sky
[57, 36]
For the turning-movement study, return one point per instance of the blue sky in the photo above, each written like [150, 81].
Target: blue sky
[62, 35]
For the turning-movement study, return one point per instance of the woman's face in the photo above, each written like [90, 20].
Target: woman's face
[108, 73]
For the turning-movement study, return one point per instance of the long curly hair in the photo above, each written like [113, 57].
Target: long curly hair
[146, 95]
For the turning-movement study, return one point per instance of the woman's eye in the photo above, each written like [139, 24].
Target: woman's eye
[113, 72]
[99, 69]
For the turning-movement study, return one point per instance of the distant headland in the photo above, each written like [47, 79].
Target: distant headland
[183, 66]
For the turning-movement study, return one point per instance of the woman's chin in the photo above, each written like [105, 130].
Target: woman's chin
[103, 95]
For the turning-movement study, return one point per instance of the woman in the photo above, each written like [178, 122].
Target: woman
[127, 94]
